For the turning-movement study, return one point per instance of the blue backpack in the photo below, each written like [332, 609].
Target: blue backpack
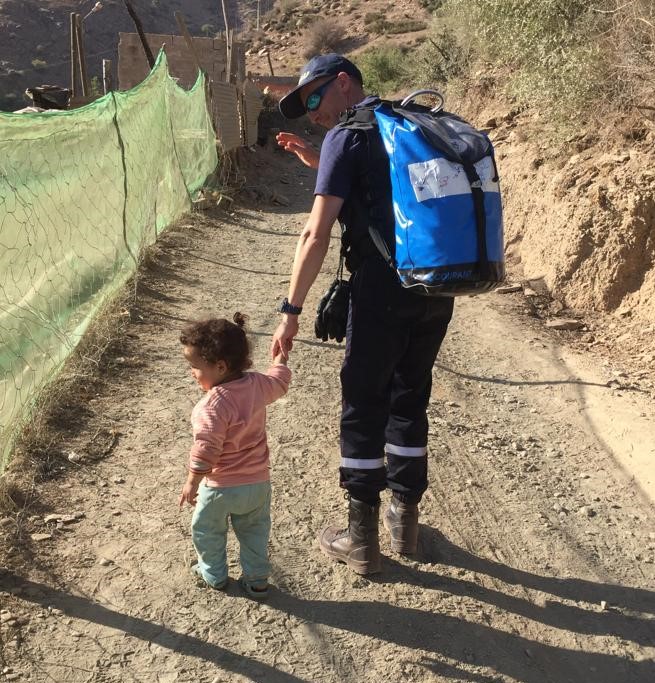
[446, 199]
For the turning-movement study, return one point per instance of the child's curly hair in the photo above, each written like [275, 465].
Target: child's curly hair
[219, 339]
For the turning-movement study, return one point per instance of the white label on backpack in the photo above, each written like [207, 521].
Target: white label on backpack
[438, 178]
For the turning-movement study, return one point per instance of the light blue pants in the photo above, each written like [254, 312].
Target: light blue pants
[249, 508]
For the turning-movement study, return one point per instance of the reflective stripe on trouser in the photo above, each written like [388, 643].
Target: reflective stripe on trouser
[248, 507]
[392, 340]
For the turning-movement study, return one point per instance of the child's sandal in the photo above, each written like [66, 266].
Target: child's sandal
[202, 583]
[255, 589]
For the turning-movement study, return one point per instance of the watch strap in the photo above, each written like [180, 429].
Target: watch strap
[286, 307]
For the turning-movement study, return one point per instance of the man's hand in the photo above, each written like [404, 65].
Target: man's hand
[283, 338]
[301, 148]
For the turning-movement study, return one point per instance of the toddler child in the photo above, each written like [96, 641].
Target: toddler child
[230, 452]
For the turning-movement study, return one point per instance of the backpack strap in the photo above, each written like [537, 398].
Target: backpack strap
[480, 218]
[359, 246]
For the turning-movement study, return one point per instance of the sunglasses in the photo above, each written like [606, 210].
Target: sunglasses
[314, 99]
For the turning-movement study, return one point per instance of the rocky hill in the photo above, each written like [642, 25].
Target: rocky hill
[35, 35]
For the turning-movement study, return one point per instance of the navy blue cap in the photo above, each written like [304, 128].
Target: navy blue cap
[291, 105]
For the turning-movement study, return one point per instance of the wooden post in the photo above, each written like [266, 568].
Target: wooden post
[142, 35]
[228, 43]
[107, 76]
[258, 13]
[187, 38]
[230, 56]
[86, 86]
[75, 65]
[225, 19]
[270, 63]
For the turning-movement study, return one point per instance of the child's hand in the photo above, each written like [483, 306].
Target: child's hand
[189, 493]
[279, 359]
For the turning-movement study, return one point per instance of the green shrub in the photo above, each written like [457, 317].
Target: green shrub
[437, 60]
[371, 17]
[553, 49]
[406, 26]
[383, 69]
[431, 5]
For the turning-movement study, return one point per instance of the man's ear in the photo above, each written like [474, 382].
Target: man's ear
[343, 79]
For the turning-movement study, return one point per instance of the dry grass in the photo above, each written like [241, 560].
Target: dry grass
[62, 406]
[631, 44]
[323, 36]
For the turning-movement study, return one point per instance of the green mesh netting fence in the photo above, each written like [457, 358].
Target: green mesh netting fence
[81, 193]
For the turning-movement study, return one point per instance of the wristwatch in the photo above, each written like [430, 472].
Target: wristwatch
[286, 307]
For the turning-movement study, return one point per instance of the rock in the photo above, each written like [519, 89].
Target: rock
[587, 511]
[564, 324]
[75, 457]
[6, 616]
[64, 519]
[118, 480]
[603, 605]
[5, 522]
[71, 519]
[104, 562]
[508, 289]
[280, 199]
[40, 537]
[528, 291]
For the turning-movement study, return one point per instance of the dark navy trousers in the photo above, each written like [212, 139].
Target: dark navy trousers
[392, 340]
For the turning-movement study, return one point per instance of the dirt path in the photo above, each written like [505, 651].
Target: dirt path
[538, 539]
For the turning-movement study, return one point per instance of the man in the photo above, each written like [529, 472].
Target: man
[393, 335]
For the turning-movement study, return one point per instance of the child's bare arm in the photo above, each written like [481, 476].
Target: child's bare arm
[190, 488]
[279, 360]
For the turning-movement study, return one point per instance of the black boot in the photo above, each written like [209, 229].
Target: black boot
[358, 545]
[401, 521]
